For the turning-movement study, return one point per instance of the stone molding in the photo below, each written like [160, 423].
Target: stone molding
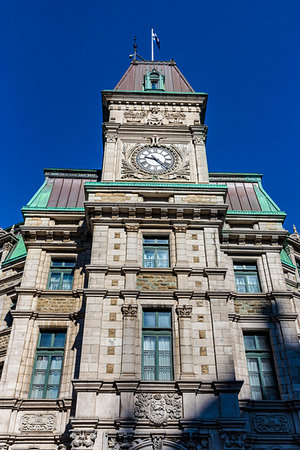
[184, 311]
[129, 310]
[232, 387]
[82, 439]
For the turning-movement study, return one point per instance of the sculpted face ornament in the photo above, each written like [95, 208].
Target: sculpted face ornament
[155, 159]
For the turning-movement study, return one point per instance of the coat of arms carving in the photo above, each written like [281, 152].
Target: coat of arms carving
[158, 408]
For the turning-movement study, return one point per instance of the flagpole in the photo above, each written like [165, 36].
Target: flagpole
[152, 50]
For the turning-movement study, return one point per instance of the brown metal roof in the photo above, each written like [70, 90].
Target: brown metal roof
[64, 188]
[133, 78]
[242, 197]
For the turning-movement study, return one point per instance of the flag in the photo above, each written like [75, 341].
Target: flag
[156, 39]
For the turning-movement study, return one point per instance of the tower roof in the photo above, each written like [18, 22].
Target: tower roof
[133, 78]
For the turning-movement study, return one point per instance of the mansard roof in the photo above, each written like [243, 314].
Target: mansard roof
[64, 189]
[133, 79]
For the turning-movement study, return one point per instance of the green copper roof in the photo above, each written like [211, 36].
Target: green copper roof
[18, 252]
[266, 203]
[286, 259]
[40, 199]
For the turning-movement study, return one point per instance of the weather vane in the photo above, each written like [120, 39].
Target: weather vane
[134, 55]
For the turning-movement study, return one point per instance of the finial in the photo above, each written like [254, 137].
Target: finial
[12, 230]
[295, 230]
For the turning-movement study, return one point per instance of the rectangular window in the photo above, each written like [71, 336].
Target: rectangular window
[156, 252]
[246, 278]
[48, 365]
[61, 275]
[157, 346]
[260, 365]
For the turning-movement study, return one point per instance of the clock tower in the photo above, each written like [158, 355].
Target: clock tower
[154, 127]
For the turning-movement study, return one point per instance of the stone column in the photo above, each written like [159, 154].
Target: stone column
[285, 322]
[110, 151]
[184, 313]
[128, 367]
[221, 335]
[131, 266]
[199, 138]
[181, 268]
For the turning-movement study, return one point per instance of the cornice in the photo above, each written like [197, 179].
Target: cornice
[19, 404]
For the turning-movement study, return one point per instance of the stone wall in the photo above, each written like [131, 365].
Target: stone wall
[261, 306]
[156, 282]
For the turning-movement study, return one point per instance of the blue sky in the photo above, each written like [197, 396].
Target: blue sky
[57, 55]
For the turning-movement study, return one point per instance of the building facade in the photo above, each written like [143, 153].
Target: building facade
[152, 305]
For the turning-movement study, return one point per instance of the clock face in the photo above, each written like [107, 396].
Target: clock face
[155, 159]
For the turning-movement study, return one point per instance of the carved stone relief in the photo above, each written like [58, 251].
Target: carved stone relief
[233, 440]
[275, 423]
[158, 408]
[155, 116]
[129, 310]
[38, 422]
[180, 169]
[83, 439]
[189, 441]
[184, 311]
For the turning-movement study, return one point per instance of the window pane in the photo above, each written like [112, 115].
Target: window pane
[149, 319]
[262, 342]
[39, 377]
[149, 258]
[149, 358]
[249, 342]
[164, 319]
[69, 263]
[271, 393]
[52, 391]
[164, 374]
[67, 281]
[46, 339]
[59, 340]
[54, 281]
[56, 263]
[253, 285]
[149, 373]
[256, 393]
[240, 283]
[56, 363]
[162, 257]
[37, 392]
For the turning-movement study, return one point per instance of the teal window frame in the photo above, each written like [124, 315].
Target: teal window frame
[260, 354]
[50, 352]
[61, 267]
[246, 272]
[154, 78]
[157, 332]
[157, 245]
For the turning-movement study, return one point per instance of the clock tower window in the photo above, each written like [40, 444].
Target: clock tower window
[154, 81]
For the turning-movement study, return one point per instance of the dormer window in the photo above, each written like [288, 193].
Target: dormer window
[154, 81]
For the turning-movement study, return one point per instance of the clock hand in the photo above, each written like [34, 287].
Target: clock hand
[157, 160]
